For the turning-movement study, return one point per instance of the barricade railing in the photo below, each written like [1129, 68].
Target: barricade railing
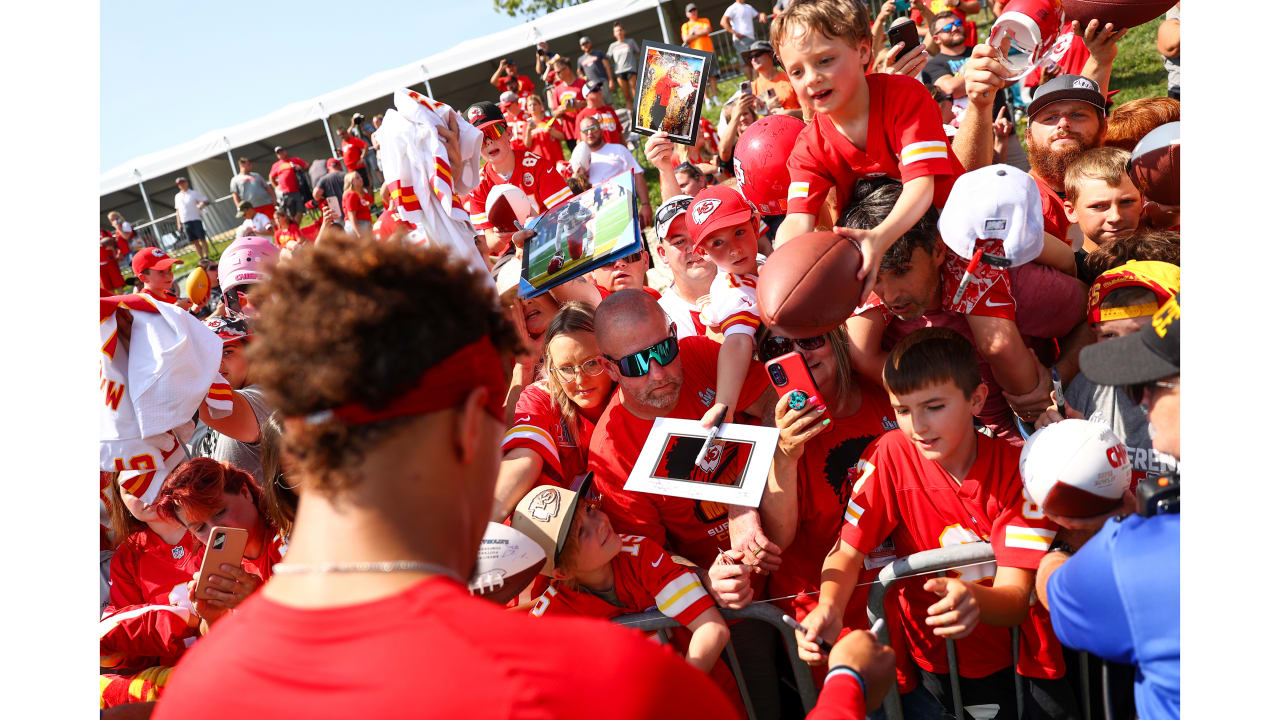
[166, 232]
[938, 562]
[653, 620]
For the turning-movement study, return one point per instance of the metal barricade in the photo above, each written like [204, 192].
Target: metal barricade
[653, 620]
[166, 232]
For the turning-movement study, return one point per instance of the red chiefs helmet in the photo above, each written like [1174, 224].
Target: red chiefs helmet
[760, 161]
[1033, 29]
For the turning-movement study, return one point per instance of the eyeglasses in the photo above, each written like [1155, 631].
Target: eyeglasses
[589, 368]
[668, 212]
[494, 131]
[633, 257]
[776, 346]
[953, 25]
[1137, 393]
[637, 363]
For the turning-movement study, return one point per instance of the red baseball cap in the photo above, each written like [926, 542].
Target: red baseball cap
[332, 164]
[152, 258]
[715, 207]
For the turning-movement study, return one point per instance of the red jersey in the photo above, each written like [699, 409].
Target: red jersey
[562, 93]
[353, 152]
[694, 529]
[540, 141]
[388, 224]
[540, 427]
[538, 178]
[288, 238]
[168, 296]
[914, 500]
[523, 83]
[841, 699]
[282, 174]
[429, 646]
[610, 126]
[1055, 212]
[356, 206]
[710, 136]
[905, 141]
[109, 277]
[147, 620]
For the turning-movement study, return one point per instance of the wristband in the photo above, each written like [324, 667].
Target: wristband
[846, 670]
[1062, 547]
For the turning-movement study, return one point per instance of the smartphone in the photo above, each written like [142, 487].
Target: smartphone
[744, 87]
[226, 545]
[903, 31]
[772, 95]
[789, 373]
[334, 206]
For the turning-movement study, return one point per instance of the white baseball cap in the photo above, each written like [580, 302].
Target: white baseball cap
[997, 202]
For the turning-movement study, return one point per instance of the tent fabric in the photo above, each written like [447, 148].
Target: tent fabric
[566, 21]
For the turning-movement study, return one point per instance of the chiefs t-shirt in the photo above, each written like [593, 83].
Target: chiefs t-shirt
[610, 126]
[564, 92]
[431, 648]
[540, 141]
[288, 238]
[914, 500]
[353, 152]
[1055, 212]
[282, 174]
[694, 529]
[535, 175]
[540, 427]
[905, 141]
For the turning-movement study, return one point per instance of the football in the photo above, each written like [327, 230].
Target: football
[1120, 13]
[507, 208]
[508, 560]
[810, 285]
[198, 286]
[1075, 468]
[1153, 167]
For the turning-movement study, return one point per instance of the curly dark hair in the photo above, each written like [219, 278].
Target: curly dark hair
[1162, 245]
[354, 320]
[871, 203]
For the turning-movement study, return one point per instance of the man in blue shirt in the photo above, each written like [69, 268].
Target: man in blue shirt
[1118, 597]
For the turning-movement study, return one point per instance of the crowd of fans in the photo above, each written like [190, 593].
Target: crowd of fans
[377, 401]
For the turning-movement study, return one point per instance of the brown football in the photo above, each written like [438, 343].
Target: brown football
[809, 285]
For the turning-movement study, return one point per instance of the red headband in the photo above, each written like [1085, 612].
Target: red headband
[442, 386]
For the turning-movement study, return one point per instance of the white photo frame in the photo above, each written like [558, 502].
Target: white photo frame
[734, 472]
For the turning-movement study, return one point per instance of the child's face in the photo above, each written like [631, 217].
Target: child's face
[1111, 329]
[939, 418]
[826, 72]
[733, 248]
[595, 544]
[1105, 212]
[158, 280]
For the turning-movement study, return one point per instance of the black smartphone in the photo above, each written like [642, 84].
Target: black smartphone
[903, 31]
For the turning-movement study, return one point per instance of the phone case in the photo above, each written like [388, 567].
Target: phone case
[789, 374]
[904, 33]
[226, 545]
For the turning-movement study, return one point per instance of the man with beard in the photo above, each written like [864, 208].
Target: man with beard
[1067, 116]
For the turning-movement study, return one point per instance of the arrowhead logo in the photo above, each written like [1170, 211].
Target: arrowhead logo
[703, 210]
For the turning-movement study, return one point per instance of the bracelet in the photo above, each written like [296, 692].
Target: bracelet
[846, 670]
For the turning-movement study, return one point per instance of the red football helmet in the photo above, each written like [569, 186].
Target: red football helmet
[760, 161]
[1033, 29]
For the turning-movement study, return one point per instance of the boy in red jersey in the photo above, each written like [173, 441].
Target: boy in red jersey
[938, 483]
[154, 268]
[863, 126]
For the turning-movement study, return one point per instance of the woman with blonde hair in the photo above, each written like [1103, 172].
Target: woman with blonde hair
[356, 205]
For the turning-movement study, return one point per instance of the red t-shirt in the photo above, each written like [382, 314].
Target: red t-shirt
[356, 206]
[523, 83]
[288, 238]
[610, 126]
[535, 175]
[1055, 212]
[561, 93]
[540, 427]
[914, 500]
[282, 174]
[353, 152]
[388, 224]
[431, 648]
[540, 141]
[109, 277]
[905, 141]
[695, 529]
[145, 622]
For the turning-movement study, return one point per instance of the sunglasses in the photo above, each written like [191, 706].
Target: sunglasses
[776, 346]
[1137, 393]
[633, 257]
[494, 131]
[637, 363]
[590, 368]
[953, 25]
[668, 212]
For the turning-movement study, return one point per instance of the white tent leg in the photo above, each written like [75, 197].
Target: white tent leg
[145, 200]
[328, 134]
[662, 23]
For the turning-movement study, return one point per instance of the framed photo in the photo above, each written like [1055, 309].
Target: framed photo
[734, 471]
[673, 81]
[590, 230]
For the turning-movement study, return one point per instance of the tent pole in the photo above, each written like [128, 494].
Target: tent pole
[328, 134]
[231, 159]
[427, 82]
[145, 200]
[662, 23]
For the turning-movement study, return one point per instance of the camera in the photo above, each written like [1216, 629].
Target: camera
[1160, 495]
[777, 375]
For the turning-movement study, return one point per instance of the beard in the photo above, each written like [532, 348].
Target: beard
[1051, 165]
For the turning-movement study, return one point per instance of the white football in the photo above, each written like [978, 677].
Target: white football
[507, 207]
[507, 561]
[1075, 468]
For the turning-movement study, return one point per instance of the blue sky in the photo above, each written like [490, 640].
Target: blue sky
[171, 70]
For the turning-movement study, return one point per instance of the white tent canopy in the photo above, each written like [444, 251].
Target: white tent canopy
[464, 55]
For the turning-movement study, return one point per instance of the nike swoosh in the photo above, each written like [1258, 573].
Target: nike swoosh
[655, 562]
[996, 304]
[523, 419]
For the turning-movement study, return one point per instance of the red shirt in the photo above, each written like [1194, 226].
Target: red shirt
[353, 152]
[523, 83]
[540, 141]
[288, 238]
[388, 224]
[1055, 212]
[433, 647]
[540, 427]
[914, 500]
[561, 93]
[168, 296]
[905, 141]
[533, 174]
[356, 206]
[145, 622]
[109, 277]
[610, 126]
[282, 174]
[697, 530]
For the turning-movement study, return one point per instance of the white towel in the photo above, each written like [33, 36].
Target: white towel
[425, 191]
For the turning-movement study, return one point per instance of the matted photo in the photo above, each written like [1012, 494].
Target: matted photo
[733, 471]
[673, 81]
